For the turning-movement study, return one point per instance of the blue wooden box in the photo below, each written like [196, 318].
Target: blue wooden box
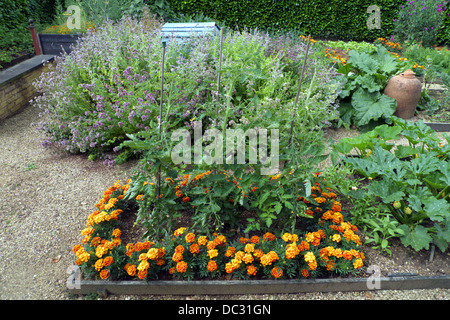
[183, 31]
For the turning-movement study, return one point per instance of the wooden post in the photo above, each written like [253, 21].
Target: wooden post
[37, 49]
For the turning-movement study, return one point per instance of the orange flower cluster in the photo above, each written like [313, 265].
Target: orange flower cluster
[64, 29]
[258, 255]
[390, 44]
[336, 57]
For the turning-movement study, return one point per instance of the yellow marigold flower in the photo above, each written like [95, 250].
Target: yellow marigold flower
[320, 199]
[143, 256]
[249, 247]
[310, 257]
[139, 197]
[210, 245]
[258, 253]
[239, 255]
[213, 253]
[286, 237]
[98, 264]
[358, 263]
[230, 252]
[100, 251]
[153, 253]
[179, 231]
[143, 265]
[247, 258]
[202, 240]
[220, 239]
[336, 237]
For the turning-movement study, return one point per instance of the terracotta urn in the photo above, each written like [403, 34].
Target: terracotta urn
[406, 89]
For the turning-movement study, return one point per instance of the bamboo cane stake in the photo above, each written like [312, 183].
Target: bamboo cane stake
[158, 189]
[220, 68]
[299, 87]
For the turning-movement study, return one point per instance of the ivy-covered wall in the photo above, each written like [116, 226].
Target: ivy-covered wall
[341, 19]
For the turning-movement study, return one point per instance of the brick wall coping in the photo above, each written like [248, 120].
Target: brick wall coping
[26, 66]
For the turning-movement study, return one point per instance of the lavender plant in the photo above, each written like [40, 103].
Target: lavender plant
[108, 87]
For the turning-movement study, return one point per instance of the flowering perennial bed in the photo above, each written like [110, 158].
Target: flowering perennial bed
[332, 248]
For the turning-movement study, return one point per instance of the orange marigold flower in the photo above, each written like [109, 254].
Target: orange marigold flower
[347, 255]
[258, 253]
[181, 266]
[305, 273]
[210, 245]
[194, 248]
[320, 199]
[251, 270]
[336, 237]
[139, 197]
[143, 265]
[177, 257]
[186, 199]
[212, 265]
[277, 272]
[179, 193]
[268, 236]
[104, 274]
[254, 239]
[190, 237]
[107, 261]
[243, 240]
[131, 270]
[142, 274]
[171, 270]
[116, 233]
[179, 249]
[230, 252]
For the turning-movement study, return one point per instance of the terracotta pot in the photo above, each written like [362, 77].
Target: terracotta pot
[406, 89]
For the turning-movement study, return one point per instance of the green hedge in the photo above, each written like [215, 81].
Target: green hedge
[346, 20]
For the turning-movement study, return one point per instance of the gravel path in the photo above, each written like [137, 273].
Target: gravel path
[45, 197]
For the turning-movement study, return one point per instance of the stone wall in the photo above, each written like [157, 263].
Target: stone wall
[16, 85]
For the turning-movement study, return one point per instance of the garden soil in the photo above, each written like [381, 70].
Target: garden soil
[47, 194]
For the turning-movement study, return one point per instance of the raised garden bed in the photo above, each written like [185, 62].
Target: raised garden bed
[54, 44]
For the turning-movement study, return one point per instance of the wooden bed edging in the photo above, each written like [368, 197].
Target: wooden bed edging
[439, 127]
[231, 287]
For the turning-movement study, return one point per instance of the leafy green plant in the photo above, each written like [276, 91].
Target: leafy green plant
[420, 21]
[382, 228]
[363, 103]
[411, 182]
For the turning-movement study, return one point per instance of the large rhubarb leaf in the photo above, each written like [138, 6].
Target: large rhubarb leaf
[371, 106]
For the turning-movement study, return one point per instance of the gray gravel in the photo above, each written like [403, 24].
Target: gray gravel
[45, 197]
